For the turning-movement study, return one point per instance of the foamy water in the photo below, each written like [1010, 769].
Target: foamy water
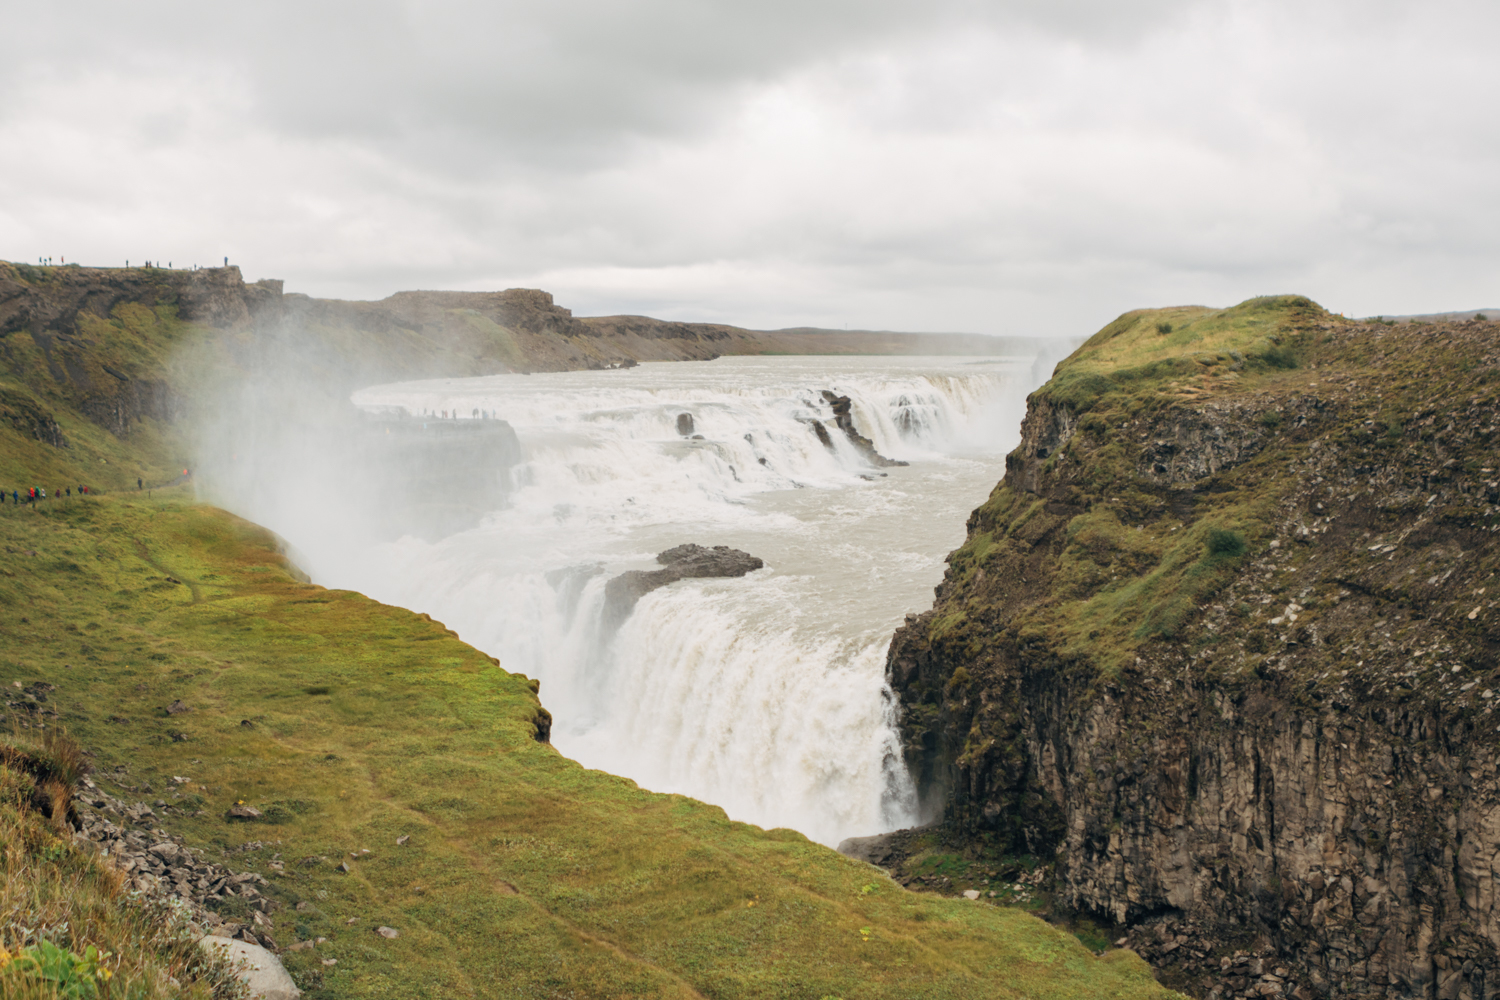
[763, 694]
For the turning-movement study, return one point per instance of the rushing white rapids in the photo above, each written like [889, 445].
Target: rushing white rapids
[763, 694]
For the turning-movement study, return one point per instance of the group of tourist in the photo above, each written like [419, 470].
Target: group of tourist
[157, 264]
[35, 493]
[47, 262]
[454, 414]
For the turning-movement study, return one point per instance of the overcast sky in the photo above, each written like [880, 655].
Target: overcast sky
[1036, 166]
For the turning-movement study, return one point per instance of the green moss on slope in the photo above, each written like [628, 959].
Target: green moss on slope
[1123, 560]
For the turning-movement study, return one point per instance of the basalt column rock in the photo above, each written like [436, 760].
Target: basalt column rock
[679, 563]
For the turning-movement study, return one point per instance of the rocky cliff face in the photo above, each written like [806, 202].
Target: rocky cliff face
[1223, 646]
[92, 339]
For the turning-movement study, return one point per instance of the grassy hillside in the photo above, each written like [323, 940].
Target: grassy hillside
[1154, 412]
[350, 724]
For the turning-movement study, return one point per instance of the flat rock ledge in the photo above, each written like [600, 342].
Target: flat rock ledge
[678, 563]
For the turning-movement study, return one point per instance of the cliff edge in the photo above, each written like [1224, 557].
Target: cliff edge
[1221, 649]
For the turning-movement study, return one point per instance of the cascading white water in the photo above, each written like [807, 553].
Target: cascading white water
[763, 694]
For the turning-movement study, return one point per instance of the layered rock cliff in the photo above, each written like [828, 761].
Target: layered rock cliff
[97, 340]
[1222, 647]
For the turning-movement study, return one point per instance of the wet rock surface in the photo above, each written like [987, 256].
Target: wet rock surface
[844, 420]
[678, 563]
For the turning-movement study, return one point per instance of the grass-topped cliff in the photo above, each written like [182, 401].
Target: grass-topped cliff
[401, 776]
[1222, 647]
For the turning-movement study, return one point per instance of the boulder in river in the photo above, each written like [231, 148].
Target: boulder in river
[678, 563]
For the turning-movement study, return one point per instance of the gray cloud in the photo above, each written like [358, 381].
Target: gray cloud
[1008, 167]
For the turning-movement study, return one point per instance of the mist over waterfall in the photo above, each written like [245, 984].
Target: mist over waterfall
[764, 694]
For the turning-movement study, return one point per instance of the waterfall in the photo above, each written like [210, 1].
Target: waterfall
[763, 694]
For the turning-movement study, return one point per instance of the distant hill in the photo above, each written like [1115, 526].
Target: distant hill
[1447, 317]
[408, 335]
[810, 339]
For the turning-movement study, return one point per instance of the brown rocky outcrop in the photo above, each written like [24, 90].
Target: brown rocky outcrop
[51, 299]
[843, 418]
[1224, 648]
